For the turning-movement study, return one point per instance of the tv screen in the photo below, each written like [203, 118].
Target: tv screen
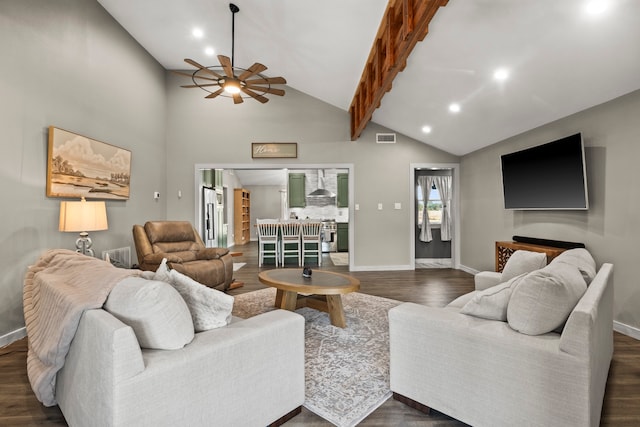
[549, 176]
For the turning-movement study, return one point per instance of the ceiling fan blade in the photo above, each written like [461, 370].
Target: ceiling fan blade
[226, 65]
[192, 76]
[237, 98]
[202, 67]
[273, 91]
[207, 85]
[267, 81]
[214, 94]
[254, 69]
[254, 95]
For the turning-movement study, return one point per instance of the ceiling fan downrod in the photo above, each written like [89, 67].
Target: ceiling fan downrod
[234, 9]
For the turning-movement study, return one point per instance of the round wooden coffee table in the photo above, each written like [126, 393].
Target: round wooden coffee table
[322, 291]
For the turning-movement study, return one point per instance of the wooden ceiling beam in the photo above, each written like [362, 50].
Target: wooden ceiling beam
[404, 24]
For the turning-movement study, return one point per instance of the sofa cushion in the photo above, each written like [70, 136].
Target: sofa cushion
[542, 301]
[155, 311]
[209, 307]
[582, 259]
[492, 303]
[522, 261]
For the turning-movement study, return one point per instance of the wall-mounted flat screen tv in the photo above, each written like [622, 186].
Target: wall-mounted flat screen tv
[548, 176]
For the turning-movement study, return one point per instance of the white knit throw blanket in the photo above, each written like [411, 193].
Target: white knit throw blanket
[58, 288]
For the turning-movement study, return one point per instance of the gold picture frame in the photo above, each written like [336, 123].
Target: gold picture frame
[78, 166]
[274, 150]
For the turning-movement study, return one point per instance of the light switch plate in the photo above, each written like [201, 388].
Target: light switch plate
[379, 206]
[397, 206]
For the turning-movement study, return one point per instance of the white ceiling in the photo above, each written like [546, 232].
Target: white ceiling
[561, 59]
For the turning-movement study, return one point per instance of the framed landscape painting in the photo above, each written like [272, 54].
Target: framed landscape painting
[78, 166]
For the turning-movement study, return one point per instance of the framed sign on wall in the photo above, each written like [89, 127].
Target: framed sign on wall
[78, 166]
[274, 150]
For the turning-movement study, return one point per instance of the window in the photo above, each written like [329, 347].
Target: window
[434, 208]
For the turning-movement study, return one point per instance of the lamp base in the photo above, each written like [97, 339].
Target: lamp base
[83, 244]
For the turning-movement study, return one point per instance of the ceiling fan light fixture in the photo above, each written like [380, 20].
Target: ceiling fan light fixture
[232, 86]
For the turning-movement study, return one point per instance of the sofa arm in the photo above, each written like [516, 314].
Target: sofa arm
[487, 279]
[104, 352]
[211, 253]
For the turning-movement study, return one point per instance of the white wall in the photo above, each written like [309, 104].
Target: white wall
[205, 131]
[69, 64]
[610, 228]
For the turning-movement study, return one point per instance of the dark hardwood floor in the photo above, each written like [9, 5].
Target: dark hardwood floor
[433, 287]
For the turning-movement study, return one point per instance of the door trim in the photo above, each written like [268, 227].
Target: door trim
[455, 210]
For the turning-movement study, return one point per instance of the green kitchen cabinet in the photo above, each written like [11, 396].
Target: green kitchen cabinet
[343, 236]
[296, 190]
[343, 190]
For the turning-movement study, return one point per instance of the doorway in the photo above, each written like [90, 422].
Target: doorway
[434, 239]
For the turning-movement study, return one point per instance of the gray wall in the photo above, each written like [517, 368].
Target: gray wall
[69, 64]
[204, 131]
[265, 204]
[610, 228]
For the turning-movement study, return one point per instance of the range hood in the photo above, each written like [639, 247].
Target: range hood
[321, 196]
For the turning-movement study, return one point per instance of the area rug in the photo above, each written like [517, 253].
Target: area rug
[339, 258]
[238, 265]
[346, 370]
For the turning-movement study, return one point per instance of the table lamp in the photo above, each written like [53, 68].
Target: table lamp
[82, 217]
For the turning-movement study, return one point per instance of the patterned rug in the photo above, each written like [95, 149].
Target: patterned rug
[346, 370]
[238, 265]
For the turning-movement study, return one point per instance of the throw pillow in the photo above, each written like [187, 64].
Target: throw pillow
[582, 259]
[542, 301]
[492, 302]
[155, 311]
[162, 273]
[209, 307]
[522, 261]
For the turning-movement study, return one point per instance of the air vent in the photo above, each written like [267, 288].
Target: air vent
[386, 138]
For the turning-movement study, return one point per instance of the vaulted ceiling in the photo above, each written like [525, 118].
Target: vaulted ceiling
[560, 57]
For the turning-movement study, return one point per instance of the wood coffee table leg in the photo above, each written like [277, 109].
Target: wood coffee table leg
[278, 303]
[336, 311]
[289, 300]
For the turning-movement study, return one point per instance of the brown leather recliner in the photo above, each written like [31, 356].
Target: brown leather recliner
[180, 244]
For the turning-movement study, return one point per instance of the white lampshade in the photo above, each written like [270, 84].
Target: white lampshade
[83, 216]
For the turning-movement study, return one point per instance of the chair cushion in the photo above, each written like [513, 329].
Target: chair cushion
[582, 259]
[542, 301]
[522, 261]
[155, 311]
[169, 231]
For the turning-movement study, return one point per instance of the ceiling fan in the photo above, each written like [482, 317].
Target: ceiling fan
[231, 81]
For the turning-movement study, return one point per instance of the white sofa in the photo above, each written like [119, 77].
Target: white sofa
[248, 373]
[485, 373]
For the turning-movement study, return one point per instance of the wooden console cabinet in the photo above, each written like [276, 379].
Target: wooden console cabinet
[505, 249]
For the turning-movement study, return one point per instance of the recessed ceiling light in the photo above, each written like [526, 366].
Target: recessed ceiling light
[454, 108]
[595, 7]
[501, 74]
[426, 129]
[197, 33]
[209, 51]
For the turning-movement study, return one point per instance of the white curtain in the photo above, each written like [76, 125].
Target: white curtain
[443, 185]
[425, 183]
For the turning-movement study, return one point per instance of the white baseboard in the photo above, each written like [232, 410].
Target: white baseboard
[13, 336]
[630, 331]
[468, 269]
